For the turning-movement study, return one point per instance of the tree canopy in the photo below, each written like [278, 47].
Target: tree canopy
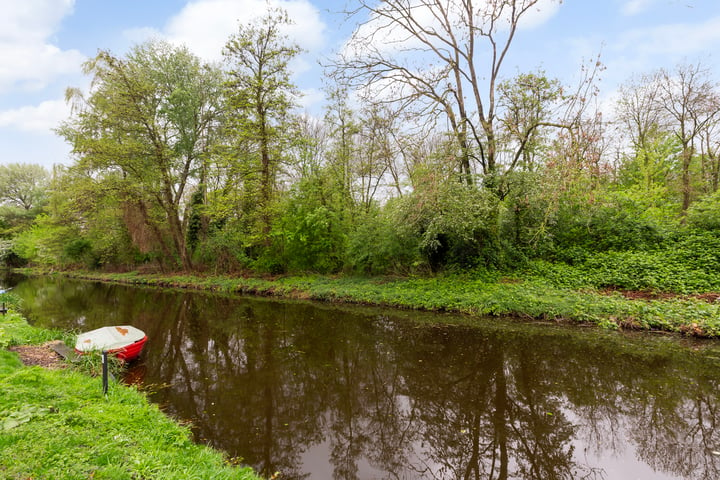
[430, 154]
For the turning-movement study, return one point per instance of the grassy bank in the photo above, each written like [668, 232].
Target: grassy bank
[486, 294]
[56, 424]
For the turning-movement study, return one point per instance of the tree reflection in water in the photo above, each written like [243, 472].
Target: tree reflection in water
[315, 391]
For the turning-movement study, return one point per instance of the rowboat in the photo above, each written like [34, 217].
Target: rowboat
[124, 341]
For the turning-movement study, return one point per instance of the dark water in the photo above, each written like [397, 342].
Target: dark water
[314, 391]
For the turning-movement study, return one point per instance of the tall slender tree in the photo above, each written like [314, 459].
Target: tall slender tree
[260, 97]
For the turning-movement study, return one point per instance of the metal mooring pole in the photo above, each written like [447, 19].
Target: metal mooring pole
[105, 371]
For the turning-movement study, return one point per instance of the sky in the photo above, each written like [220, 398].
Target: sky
[43, 44]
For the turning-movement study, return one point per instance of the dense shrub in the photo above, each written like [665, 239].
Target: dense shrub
[222, 250]
[313, 238]
[605, 228]
[44, 242]
[705, 213]
[380, 245]
[455, 225]
[79, 250]
[8, 256]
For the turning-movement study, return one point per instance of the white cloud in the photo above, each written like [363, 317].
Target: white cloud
[40, 118]
[34, 66]
[310, 98]
[634, 7]
[28, 60]
[675, 39]
[205, 26]
[540, 13]
[32, 20]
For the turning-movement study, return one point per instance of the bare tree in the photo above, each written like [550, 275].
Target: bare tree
[640, 111]
[443, 59]
[690, 101]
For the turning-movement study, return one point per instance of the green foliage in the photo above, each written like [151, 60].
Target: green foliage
[23, 185]
[15, 220]
[79, 250]
[196, 221]
[527, 101]
[705, 213]
[313, 240]
[379, 245]
[455, 224]
[311, 232]
[523, 217]
[653, 165]
[8, 256]
[689, 264]
[224, 248]
[44, 242]
[90, 363]
[613, 223]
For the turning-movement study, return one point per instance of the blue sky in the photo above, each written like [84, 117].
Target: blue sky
[44, 42]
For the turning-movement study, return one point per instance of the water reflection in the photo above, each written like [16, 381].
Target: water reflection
[317, 392]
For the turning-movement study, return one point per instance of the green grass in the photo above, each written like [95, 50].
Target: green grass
[535, 296]
[59, 425]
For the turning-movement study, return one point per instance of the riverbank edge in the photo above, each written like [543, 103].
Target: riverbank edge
[531, 299]
[58, 424]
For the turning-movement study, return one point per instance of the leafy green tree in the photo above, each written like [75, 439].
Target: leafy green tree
[259, 98]
[44, 243]
[381, 242]
[23, 195]
[656, 163]
[23, 185]
[528, 102]
[312, 230]
[149, 122]
[108, 235]
[344, 127]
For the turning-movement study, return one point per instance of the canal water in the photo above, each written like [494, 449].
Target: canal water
[316, 391]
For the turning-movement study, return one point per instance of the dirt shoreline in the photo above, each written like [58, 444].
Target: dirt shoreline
[40, 355]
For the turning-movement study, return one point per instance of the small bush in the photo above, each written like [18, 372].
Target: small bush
[79, 250]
